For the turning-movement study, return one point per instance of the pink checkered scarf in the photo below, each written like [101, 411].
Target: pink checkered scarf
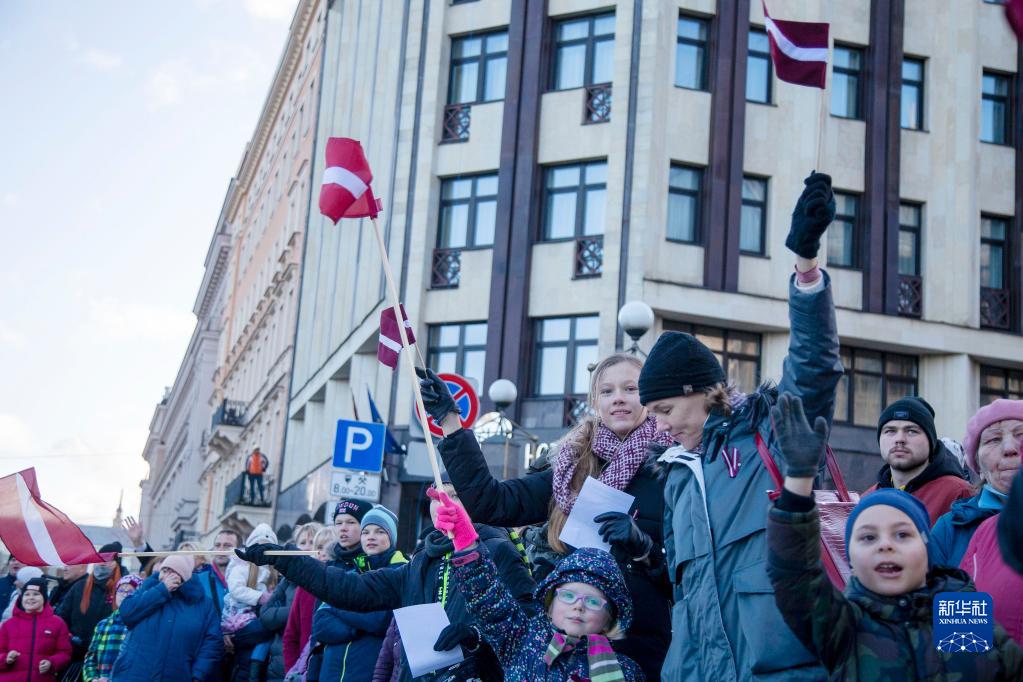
[624, 458]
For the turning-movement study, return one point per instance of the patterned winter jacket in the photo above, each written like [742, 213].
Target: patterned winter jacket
[865, 636]
[520, 640]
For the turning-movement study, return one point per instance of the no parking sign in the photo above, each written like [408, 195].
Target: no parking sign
[466, 399]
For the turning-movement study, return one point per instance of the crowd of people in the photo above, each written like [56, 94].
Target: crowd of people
[707, 577]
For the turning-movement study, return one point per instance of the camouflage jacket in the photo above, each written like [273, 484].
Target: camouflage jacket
[861, 635]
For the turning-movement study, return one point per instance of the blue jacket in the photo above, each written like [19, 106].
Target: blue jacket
[725, 623]
[171, 636]
[213, 585]
[952, 531]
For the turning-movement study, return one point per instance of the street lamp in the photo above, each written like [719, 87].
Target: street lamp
[636, 318]
[502, 393]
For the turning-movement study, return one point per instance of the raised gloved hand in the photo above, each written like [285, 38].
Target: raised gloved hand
[457, 634]
[256, 554]
[618, 529]
[814, 211]
[453, 520]
[436, 396]
[1010, 526]
[802, 447]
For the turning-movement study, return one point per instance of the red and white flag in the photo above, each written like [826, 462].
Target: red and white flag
[1014, 15]
[799, 50]
[36, 533]
[390, 338]
[346, 191]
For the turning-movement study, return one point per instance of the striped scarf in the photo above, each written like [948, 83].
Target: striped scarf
[600, 657]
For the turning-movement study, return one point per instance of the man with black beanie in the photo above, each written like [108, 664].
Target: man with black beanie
[915, 460]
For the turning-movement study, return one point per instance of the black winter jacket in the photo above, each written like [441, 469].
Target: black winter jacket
[273, 616]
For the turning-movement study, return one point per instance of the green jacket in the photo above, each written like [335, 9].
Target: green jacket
[861, 635]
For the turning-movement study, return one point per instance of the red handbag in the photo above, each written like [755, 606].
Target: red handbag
[834, 507]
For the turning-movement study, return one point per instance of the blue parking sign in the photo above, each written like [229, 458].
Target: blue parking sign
[359, 446]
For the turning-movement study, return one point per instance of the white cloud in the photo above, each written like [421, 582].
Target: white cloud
[166, 83]
[10, 199]
[101, 59]
[15, 435]
[109, 320]
[9, 337]
[275, 10]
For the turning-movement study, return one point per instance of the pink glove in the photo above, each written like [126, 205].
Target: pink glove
[264, 598]
[454, 521]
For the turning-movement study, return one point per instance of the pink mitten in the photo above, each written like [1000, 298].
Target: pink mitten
[453, 520]
[264, 598]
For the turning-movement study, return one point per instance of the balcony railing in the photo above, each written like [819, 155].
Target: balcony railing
[456, 123]
[447, 268]
[995, 308]
[236, 493]
[589, 256]
[230, 413]
[911, 295]
[598, 104]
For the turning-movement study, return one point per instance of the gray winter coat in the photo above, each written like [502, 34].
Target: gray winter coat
[725, 624]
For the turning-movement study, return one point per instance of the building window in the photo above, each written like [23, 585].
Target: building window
[459, 348]
[583, 51]
[468, 212]
[910, 220]
[872, 381]
[685, 189]
[996, 382]
[753, 223]
[691, 53]
[574, 200]
[738, 352]
[565, 348]
[912, 107]
[847, 82]
[478, 65]
[994, 108]
[994, 234]
[758, 67]
[843, 234]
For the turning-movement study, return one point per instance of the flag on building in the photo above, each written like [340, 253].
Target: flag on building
[36, 533]
[390, 338]
[1014, 13]
[346, 191]
[799, 50]
[391, 444]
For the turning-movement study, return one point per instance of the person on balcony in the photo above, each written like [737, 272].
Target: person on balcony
[255, 466]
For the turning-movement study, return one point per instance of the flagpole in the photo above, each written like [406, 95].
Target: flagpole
[821, 119]
[388, 275]
[216, 552]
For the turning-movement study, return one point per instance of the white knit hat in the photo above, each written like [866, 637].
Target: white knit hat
[261, 534]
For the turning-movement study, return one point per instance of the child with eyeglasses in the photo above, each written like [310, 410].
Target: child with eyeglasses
[584, 602]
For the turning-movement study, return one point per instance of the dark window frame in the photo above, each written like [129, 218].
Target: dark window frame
[766, 56]
[471, 201]
[1005, 374]
[857, 232]
[698, 193]
[848, 383]
[571, 345]
[580, 199]
[917, 231]
[590, 41]
[1005, 244]
[861, 80]
[434, 349]
[763, 213]
[921, 94]
[1006, 99]
[725, 356]
[482, 59]
[703, 46]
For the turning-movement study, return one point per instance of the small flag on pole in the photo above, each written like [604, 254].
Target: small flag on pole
[36, 533]
[799, 50]
[346, 191]
[390, 338]
[1014, 14]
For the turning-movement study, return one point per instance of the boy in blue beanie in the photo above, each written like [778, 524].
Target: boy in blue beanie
[881, 627]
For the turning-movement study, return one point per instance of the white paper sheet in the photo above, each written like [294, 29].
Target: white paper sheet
[420, 625]
[595, 498]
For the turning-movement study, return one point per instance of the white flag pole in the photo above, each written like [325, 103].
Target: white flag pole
[408, 354]
[217, 552]
[822, 114]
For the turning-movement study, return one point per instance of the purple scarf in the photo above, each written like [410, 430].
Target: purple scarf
[624, 458]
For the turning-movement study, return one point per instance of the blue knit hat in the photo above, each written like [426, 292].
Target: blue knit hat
[892, 497]
[593, 567]
[381, 516]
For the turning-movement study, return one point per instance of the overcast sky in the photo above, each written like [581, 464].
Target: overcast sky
[121, 125]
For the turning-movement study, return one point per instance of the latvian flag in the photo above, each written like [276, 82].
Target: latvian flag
[36, 533]
[346, 191]
[799, 50]
[390, 338]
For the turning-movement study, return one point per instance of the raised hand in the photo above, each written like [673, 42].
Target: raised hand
[134, 530]
[436, 396]
[814, 211]
[453, 520]
[257, 554]
[620, 530]
[802, 447]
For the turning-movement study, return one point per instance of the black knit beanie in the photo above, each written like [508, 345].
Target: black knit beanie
[678, 364]
[353, 506]
[910, 409]
[39, 584]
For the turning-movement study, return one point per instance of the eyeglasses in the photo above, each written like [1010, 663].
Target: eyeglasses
[125, 590]
[571, 598]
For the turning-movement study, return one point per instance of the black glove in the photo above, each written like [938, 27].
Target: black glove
[257, 554]
[802, 448]
[436, 396]
[620, 530]
[813, 213]
[1010, 526]
[458, 634]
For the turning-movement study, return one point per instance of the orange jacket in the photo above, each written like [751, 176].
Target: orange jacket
[257, 463]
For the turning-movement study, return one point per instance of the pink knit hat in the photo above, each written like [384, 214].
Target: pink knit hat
[182, 564]
[985, 417]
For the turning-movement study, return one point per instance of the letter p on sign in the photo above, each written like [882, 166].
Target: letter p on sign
[359, 446]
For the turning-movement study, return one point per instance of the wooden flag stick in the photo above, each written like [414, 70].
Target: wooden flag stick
[218, 552]
[821, 120]
[408, 354]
